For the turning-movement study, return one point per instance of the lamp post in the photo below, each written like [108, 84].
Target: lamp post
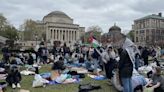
[36, 36]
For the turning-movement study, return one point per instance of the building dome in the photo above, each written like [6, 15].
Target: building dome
[57, 17]
[115, 28]
[58, 14]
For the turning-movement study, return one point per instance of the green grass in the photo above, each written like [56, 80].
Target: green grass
[1, 56]
[26, 83]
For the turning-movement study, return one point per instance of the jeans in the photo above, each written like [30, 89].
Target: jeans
[43, 59]
[145, 61]
[127, 84]
[96, 63]
[137, 63]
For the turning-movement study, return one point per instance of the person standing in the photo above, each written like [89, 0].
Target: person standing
[125, 71]
[43, 53]
[137, 61]
[109, 58]
[127, 64]
[145, 55]
[6, 54]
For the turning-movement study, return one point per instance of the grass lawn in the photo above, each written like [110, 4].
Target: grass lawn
[1, 56]
[26, 83]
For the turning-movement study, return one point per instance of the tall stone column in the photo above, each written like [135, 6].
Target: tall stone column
[65, 35]
[68, 35]
[52, 34]
[61, 35]
[47, 34]
[73, 35]
[55, 34]
[77, 34]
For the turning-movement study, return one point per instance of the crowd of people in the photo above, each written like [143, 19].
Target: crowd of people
[122, 60]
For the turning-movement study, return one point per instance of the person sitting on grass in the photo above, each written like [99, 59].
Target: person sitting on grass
[14, 77]
[57, 68]
[74, 57]
[81, 60]
[157, 82]
[50, 58]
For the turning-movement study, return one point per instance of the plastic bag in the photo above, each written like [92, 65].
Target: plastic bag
[39, 81]
[61, 78]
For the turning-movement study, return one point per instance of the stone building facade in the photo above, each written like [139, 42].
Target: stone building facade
[60, 27]
[55, 27]
[149, 30]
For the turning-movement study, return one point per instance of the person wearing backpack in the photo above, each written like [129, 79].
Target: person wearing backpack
[43, 54]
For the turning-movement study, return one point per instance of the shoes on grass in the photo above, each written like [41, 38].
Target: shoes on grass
[13, 86]
[18, 85]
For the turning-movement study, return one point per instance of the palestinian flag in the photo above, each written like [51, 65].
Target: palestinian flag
[94, 42]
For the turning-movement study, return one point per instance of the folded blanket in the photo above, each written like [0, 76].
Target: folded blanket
[3, 76]
[45, 75]
[79, 70]
[97, 77]
[3, 85]
[2, 69]
[66, 81]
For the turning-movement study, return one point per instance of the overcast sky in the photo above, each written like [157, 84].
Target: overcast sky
[84, 12]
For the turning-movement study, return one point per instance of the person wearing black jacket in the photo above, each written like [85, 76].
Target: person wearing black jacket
[6, 54]
[14, 77]
[145, 55]
[125, 71]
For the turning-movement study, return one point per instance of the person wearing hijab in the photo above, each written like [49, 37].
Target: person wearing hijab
[108, 57]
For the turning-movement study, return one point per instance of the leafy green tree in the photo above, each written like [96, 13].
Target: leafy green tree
[131, 35]
[31, 29]
[3, 22]
[6, 29]
[10, 32]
